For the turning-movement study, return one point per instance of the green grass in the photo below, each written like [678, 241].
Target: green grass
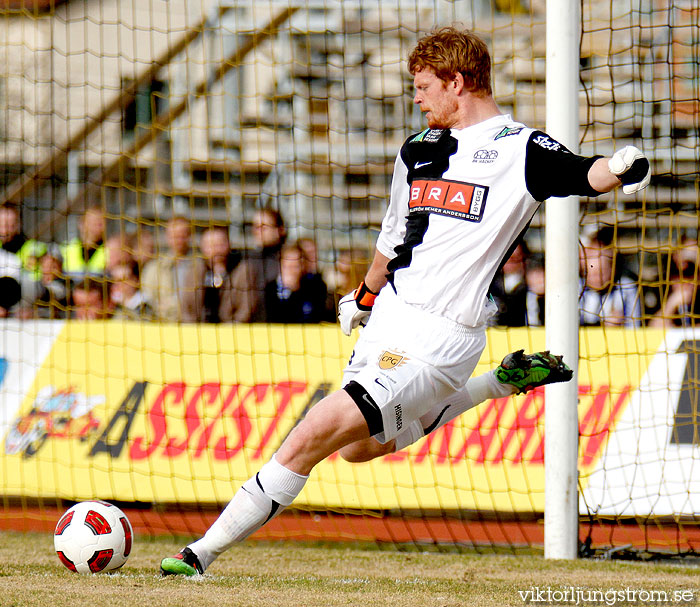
[302, 575]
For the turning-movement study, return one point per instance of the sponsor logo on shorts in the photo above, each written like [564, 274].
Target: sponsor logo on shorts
[391, 360]
[399, 416]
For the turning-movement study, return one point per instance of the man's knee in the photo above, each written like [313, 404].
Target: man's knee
[365, 450]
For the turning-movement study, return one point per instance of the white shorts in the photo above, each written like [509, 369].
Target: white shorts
[405, 361]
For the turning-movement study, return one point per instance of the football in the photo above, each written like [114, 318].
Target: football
[93, 537]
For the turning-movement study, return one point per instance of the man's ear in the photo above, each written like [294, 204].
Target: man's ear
[458, 83]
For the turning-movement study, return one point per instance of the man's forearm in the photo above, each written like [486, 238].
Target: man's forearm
[376, 275]
[600, 177]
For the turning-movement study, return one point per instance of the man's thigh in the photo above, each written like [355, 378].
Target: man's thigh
[395, 378]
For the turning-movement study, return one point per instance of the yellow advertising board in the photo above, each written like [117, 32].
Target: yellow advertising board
[186, 413]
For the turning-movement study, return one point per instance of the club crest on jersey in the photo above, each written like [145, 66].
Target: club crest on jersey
[391, 360]
[452, 198]
[507, 131]
[428, 135]
[485, 156]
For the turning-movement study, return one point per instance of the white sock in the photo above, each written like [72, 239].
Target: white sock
[476, 391]
[260, 499]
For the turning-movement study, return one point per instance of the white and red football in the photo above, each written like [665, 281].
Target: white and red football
[93, 537]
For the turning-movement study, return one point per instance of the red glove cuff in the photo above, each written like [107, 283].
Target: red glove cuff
[364, 297]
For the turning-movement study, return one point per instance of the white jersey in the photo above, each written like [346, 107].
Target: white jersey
[459, 200]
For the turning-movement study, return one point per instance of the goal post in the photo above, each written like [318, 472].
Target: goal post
[561, 267]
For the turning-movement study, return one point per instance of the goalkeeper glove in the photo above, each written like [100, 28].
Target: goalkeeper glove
[632, 168]
[355, 307]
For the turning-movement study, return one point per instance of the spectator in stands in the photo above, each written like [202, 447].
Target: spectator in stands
[14, 240]
[350, 268]
[208, 291]
[164, 278]
[89, 301]
[310, 250]
[680, 304]
[143, 247]
[535, 291]
[85, 254]
[51, 299]
[10, 290]
[126, 299]
[313, 275]
[509, 289]
[295, 296]
[259, 267]
[118, 249]
[607, 296]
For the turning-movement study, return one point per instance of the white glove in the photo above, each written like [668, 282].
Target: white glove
[354, 308]
[631, 167]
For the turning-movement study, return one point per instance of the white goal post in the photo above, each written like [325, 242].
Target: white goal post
[561, 311]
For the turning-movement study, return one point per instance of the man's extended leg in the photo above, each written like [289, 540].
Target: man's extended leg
[517, 373]
[333, 423]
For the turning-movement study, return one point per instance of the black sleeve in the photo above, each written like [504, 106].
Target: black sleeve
[552, 170]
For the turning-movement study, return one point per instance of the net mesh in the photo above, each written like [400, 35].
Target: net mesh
[176, 122]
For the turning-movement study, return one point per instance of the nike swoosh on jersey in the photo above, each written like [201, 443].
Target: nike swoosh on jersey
[422, 164]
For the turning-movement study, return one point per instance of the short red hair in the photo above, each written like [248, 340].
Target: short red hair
[449, 51]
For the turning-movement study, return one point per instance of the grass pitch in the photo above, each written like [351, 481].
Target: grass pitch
[299, 575]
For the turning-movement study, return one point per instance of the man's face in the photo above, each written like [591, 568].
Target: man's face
[88, 305]
[215, 245]
[92, 227]
[178, 237]
[9, 224]
[265, 230]
[124, 285]
[436, 99]
[597, 267]
[291, 269]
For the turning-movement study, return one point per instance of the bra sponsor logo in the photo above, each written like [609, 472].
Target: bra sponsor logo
[453, 198]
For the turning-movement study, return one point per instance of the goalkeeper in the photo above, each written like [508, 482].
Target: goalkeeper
[463, 192]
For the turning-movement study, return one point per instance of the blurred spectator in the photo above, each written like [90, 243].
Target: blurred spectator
[313, 276]
[89, 302]
[607, 296]
[509, 289]
[680, 304]
[143, 247]
[685, 257]
[310, 251]
[349, 271]
[164, 279]
[85, 255]
[295, 296]
[118, 251]
[208, 290]
[52, 290]
[126, 299]
[13, 240]
[535, 291]
[259, 267]
[10, 290]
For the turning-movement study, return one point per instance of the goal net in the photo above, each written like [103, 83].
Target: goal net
[152, 131]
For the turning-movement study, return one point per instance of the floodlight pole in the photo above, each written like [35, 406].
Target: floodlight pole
[561, 295]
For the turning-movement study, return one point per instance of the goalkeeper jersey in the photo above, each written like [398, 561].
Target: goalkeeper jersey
[460, 198]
